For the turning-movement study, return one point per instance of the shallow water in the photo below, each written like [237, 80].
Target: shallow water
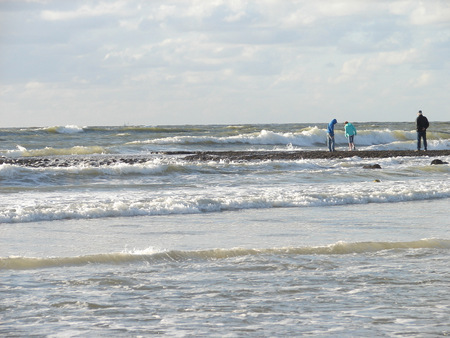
[272, 248]
[289, 271]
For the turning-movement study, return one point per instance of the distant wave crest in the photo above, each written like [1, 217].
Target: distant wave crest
[69, 129]
[311, 137]
[51, 151]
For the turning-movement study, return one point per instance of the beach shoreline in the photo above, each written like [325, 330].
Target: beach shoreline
[229, 156]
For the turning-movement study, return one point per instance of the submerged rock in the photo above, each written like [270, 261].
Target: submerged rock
[372, 166]
[437, 161]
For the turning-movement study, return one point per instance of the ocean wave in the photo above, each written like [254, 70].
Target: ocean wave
[142, 139]
[69, 129]
[152, 255]
[84, 205]
[307, 137]
[146, 129]
[408, 145]
[120, 172]
[51, 151]
[310, 137]
[91, 169]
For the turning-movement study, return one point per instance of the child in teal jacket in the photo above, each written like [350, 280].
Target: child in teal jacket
[350, 133]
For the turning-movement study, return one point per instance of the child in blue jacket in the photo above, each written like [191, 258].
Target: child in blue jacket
[330, 135]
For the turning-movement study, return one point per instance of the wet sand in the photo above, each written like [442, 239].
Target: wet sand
[232, 156]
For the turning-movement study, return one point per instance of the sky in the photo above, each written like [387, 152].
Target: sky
[174, 62]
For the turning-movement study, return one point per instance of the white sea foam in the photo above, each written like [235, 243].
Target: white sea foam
[18, 151]
[51, 151]
[84, 205]
[45, 175]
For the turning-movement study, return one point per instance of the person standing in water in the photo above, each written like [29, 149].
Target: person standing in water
[421, 127]
[350, 133]
[330, 135]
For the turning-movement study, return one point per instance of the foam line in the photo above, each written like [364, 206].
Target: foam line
[339, 248]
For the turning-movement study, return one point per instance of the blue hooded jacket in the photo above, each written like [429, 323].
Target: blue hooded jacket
[331, 127]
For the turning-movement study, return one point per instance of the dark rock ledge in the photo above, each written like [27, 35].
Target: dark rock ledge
[297, 155]
[231, 156]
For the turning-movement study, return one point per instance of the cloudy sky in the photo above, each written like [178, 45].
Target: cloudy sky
[158, 62]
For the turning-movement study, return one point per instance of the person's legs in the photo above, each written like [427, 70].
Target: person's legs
[351, 145]
[422, 134]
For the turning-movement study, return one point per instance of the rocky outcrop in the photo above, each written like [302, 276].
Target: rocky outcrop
[226, 156]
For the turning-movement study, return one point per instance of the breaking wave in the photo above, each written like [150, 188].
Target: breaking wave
[158, 256]
[69, 129]
[61, 206]
[312, 137]
[51, 151]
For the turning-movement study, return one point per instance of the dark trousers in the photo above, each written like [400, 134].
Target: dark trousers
[422, 134]
[330, 142]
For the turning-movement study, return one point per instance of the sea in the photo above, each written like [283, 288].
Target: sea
[165, 246]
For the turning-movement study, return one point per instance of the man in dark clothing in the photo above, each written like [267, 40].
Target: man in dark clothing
[421, 126]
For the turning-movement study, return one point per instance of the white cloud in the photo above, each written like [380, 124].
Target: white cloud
[396, 58]
[344, 8]
[85, 11]
[431, 12]
[239, 60]
[425, 79]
